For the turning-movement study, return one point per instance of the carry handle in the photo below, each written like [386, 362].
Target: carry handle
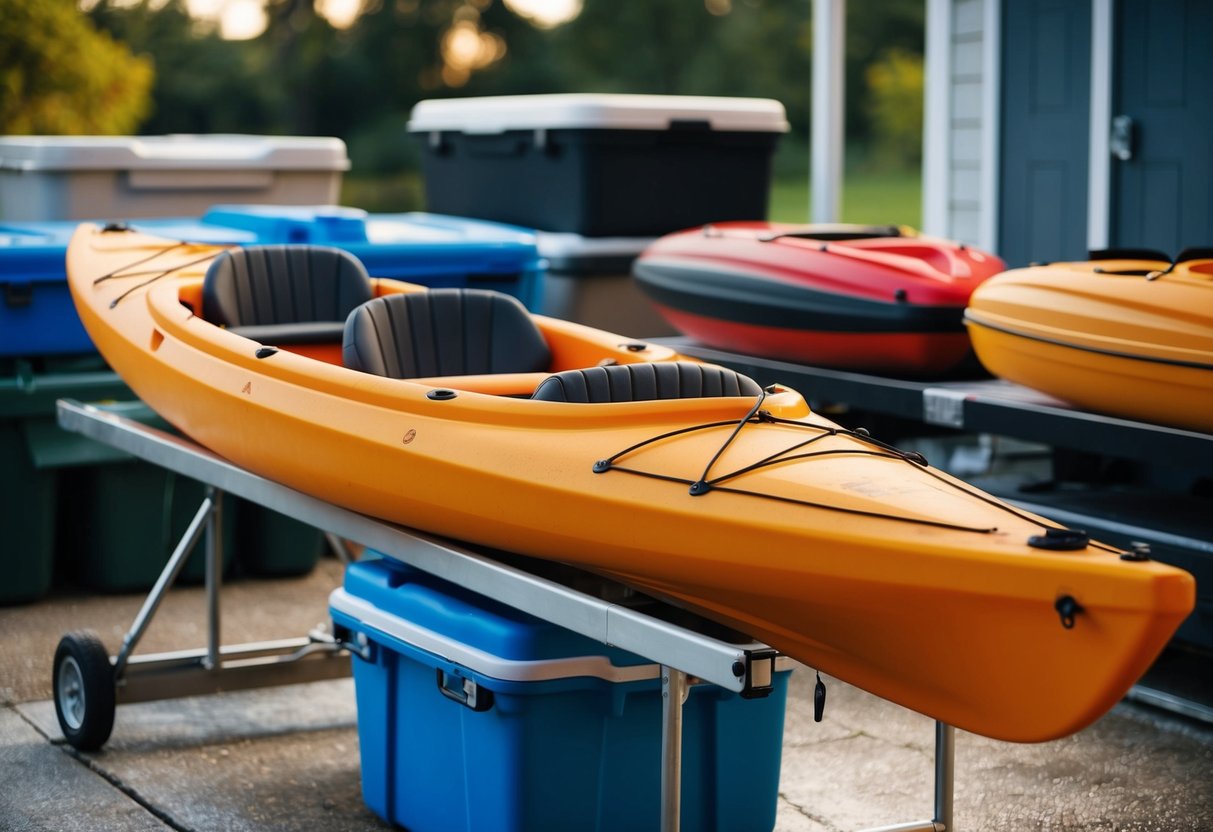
[1188, 254]
[464, 691]
[837, 232]
[1128, 254]
[1201, 253]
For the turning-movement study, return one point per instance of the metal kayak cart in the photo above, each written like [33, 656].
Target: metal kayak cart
[88, 683]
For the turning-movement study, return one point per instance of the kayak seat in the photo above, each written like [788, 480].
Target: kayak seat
[444, 332]
[644, 382]
[285, 294]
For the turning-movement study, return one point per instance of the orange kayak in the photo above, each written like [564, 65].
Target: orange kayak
[1129, 335]
[619, 458]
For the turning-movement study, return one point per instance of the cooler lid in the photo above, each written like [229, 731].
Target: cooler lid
[172, 152]
[479, 633]
[414, 243]
[496, 114]
[336, 224]
[34, 252]
[576, 254]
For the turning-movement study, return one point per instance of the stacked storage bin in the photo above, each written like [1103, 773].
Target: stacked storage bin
[37, 460]
[605, 175]
[125, 515]
[475, 716]
[86, 177]
[429, 249]
[71, 507]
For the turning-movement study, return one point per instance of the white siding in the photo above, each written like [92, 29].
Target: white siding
[960, 187]
[967, 17]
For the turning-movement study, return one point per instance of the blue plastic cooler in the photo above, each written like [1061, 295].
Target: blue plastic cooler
[475, 716]
[37, 317]
[431, 249]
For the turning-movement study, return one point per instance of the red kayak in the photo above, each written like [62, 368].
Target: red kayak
[869, 298]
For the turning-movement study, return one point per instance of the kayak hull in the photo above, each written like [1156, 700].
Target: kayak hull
[890, 302]
[1105, 337]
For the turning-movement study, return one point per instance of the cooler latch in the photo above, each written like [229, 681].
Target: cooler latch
[18, 295]
[357, 643]
[438, 144]
[759, 673]
[464, 691]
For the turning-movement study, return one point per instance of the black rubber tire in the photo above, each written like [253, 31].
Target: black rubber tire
[83, 684]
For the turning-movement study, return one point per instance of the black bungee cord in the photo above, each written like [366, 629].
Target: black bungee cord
[882, 449]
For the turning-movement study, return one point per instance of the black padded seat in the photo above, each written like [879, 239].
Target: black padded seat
[644, 382]
[444, 332]
[285, 294]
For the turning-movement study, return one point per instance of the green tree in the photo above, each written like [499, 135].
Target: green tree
[873, 31]
[59, 75]
[204, 84]
[895, 108]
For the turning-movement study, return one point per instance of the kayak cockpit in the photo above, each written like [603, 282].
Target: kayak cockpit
[319, 303]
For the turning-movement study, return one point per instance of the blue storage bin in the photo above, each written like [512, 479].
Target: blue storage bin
[37, 317]
[475, 716]
[430, 249]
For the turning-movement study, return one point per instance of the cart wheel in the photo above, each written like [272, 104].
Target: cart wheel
[84, 690]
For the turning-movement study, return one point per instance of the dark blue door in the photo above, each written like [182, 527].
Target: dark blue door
[1164, 88]
[1046, 86]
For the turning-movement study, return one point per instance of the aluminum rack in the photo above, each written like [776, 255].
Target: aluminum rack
[983, 405]
[684, 653]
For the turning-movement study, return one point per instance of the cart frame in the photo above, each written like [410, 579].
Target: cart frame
[606, 614]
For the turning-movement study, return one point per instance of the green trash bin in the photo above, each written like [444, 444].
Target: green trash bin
[129, 515]
[122, 519]
[27, 516]
[34, 455]
[76, 511]
[271, 545]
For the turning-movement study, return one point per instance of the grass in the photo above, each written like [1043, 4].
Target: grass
[385, 194]
[877, 198]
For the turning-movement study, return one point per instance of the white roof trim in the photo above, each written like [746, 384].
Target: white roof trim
[991, 82]
[829, 74]
[1099, 173]
[937, 121]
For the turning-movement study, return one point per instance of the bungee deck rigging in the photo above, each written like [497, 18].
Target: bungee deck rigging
[756, 415]
[123, 271]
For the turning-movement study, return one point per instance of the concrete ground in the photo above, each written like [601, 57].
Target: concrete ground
[287, 758]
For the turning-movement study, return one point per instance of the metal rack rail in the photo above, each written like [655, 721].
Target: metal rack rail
[977, 406]
[88, 684]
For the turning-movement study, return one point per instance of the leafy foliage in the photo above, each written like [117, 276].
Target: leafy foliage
[204, 84]
[895, 106]
[59, 75]
[303, 76]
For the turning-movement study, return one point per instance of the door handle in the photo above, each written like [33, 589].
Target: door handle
[1120, 142]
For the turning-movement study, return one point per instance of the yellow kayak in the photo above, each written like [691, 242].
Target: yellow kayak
[1130, 336]
[468, 419]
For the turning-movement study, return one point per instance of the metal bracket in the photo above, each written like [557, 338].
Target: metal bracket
[759, 673]
[944, 406]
